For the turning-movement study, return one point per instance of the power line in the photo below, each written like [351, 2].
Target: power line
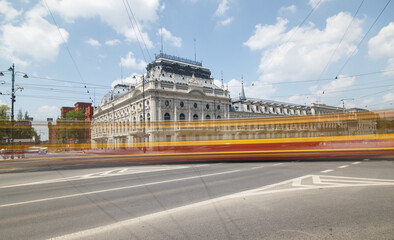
[67, 48]
[296, 29]
[358, 45]
[138, 28]
[340, 42]
[68, 81]
[132, 26]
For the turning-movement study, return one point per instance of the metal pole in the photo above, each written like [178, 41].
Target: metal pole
[12, 109]
[143, 110]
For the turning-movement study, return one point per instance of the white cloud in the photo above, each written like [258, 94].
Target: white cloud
[93, 42]
[8, 11]
[267, 35]
[43, 41]
[336, 85]
[255, 90]
[112, 42]
[316, 3]
[46, 111]
[389, 97]
[287, 55]
[382, 45]
[226, 21]
[167, 36]
[113, 14]
[222, 8]
[128, 80]
[300, 99]
[291, 9]
[131, 62]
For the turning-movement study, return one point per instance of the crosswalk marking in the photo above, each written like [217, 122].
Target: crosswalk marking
[316, 182]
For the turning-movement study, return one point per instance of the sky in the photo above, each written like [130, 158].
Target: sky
[330, 52]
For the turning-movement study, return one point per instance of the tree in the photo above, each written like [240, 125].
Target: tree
[74, 127]
[76, 114]
[26, 117]
[4, 112]
[19, 117]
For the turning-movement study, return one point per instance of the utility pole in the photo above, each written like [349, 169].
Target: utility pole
[13, 90]
[143, 111]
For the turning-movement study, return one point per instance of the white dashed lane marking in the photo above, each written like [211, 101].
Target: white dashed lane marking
[327, 171]
[344, 166]
[356, 163]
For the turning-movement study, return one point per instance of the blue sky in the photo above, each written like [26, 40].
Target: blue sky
[293, 51]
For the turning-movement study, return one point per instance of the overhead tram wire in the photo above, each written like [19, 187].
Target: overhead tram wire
[67, 81]
[67, 48]
[139, 31]
[340, 42]
[132, 26]
[358, 45]
[329, 79]
[298, 27]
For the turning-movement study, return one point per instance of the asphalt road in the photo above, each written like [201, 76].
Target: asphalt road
[255, 200]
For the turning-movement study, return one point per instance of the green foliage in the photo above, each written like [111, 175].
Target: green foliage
[19, 117]
[4, 112]
[26, 117]
[74, 126]
[76, 114]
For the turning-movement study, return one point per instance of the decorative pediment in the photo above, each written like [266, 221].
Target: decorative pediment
[196, 92]
[194, 82]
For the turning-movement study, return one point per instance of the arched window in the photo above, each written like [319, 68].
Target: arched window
[195, 117]
[167, 117]
[207, 106]
[195, 105]
[181, 116]
[148, 117]
[182, 104]
[219, 117]
[218, 107]
[207, 117]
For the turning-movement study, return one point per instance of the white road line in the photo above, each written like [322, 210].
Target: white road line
[115, 189]
[327, 171]
[344, 166]
[356, 163]
[257, 167]
[269, 189]
[97, 175]
[277, 164]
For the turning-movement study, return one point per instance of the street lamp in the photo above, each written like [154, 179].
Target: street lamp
[143, 110]
[13, 100]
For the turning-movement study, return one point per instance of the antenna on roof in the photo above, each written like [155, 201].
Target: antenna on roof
[161, 39]
[121, 73]
[221, 78]
[195, 55]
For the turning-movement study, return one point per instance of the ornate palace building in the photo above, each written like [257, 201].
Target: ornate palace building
[177, 89]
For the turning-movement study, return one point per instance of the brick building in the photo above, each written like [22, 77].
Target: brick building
[55, 136]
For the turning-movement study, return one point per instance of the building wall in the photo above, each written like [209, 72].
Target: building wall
[176, 91]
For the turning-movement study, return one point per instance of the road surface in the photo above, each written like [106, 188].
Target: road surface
[255, 200]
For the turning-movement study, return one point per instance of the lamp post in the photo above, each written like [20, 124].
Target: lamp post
[143, 111]
[13, 100]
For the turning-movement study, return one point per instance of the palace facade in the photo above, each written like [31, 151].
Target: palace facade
[176, 90]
